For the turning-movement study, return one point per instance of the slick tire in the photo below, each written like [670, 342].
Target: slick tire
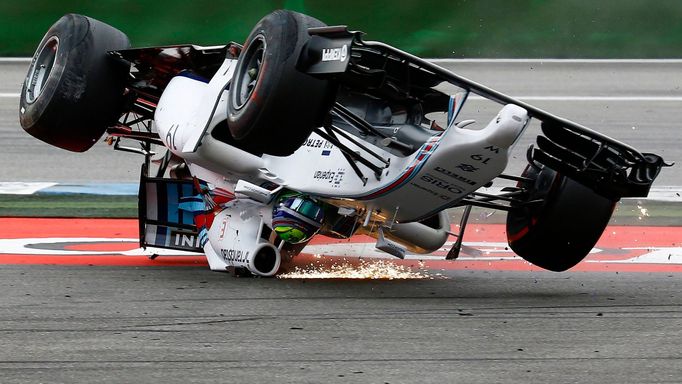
[272, 106]
[560, 230]
[73, 90]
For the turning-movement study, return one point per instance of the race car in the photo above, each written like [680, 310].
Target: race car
[306, 129]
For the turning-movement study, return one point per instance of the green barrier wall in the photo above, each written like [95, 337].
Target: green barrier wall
[432, 28]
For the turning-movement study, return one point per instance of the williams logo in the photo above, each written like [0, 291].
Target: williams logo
[335, 54]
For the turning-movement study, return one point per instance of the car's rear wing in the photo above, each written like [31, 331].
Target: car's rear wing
[610, 167]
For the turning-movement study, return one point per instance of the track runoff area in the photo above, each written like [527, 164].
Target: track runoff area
[113, 242]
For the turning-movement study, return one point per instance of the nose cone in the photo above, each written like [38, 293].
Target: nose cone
[506, 127]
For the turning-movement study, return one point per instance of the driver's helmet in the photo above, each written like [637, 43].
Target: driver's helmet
[296, 219]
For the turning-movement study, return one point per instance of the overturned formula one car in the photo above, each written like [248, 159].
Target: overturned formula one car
[308, 129]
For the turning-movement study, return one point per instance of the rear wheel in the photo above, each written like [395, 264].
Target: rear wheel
[558, 231]
[73, 89]
[273, 107]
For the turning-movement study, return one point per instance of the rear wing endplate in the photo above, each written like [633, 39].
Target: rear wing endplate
[162, 223]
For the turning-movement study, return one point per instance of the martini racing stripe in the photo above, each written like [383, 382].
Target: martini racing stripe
[424, 153]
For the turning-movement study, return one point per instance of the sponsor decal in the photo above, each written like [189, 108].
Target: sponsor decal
[223, 225]
[185, 239]
[255, 191]
[431, 192]
[318, 143]
[338, 178]
[324, 175]
[455, 176]
[313, 143]
[234, 255]
[441, 184]
[330, 176]
[335, 54]
[467, 167]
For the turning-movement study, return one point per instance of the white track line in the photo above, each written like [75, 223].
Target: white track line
[23, 188]
[15, 59]
[9, 95]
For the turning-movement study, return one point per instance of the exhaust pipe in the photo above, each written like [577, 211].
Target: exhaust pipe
[264, 261]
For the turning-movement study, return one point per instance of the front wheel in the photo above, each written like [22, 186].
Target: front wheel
[272, 106]
[559, 223]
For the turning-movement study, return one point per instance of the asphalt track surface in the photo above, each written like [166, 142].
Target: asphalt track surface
[97, 310]
[113, 317]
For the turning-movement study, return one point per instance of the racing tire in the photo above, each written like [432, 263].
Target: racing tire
[73, 90]
[272, 106]
[560, 230]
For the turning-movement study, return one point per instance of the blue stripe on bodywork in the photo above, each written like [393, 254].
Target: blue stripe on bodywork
[187, 191]
[193, 76]
[161, 211]
[172, 203]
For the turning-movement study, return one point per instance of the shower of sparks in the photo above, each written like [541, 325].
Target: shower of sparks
[369, 270]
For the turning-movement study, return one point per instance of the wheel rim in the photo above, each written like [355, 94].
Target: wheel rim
[40, 69]
[249, 72]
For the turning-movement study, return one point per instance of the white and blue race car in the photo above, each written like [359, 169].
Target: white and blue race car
[308, 129]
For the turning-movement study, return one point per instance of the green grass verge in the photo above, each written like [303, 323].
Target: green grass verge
[68, 206]
[432, 28]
